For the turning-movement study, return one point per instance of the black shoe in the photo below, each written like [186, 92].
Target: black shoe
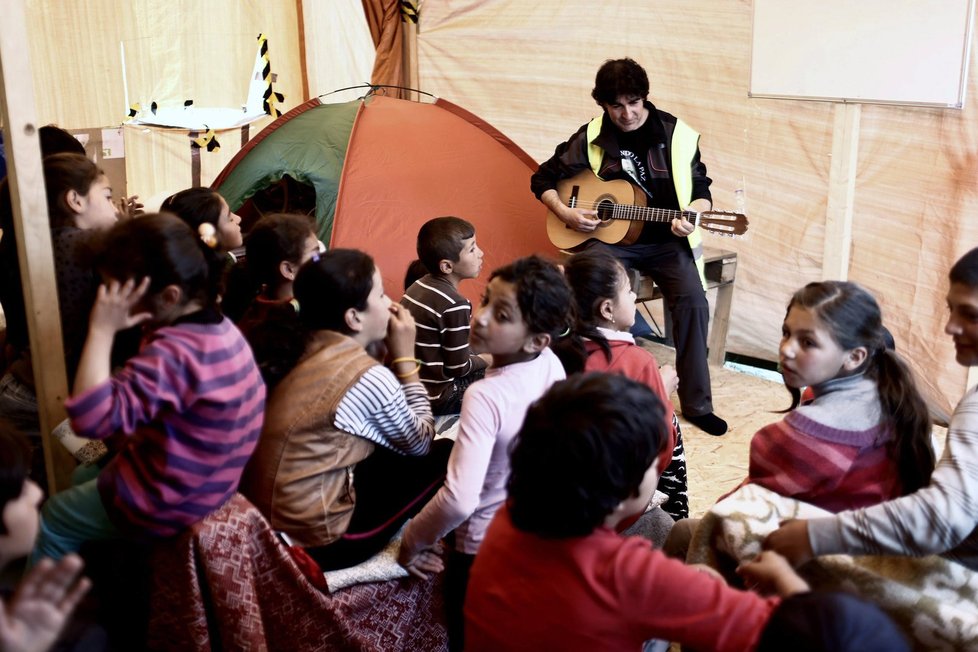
[709, 423]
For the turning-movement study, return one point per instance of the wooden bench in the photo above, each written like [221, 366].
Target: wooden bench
[721, 270]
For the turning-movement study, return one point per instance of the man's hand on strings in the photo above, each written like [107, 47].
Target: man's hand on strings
[579, 219]
[681, 227]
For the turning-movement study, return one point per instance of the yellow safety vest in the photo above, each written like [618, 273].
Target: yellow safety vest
[683, 148]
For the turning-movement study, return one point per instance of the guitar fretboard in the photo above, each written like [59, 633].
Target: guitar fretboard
[612, 211]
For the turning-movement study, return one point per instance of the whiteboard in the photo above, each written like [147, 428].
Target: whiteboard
[886, 51]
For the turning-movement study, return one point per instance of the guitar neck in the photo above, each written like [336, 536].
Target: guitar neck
[615, 201]
[646, 214]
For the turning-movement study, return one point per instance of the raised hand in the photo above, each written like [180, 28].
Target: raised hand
[400, 332]
[44, 600]
[114, 303]
[129, 207]
[111, 313]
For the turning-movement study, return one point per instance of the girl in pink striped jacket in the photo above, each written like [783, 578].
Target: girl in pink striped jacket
[187, 409]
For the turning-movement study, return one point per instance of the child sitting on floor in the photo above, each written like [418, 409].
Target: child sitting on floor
[527, 305]
[260, 287]
[605, 311]
[188, 407]
[80, 207]
[33, 616]
[208, 214]
[275, 249]
[346, 454]
[865, 437]
[552, 574]
[939, 518]
[18, 403]
[446, 246]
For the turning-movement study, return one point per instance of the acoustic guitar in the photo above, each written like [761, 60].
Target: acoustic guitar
[620, 205]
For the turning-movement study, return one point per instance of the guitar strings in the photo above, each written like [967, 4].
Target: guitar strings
[664, 213]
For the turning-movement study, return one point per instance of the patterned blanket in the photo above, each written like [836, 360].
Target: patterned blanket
[933, 599]
[229, 584]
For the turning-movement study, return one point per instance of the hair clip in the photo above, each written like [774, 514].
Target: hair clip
[565, 333]
[295, 304]
[320, 250]
[208, 234]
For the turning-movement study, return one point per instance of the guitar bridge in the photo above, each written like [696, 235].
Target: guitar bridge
[572, 200]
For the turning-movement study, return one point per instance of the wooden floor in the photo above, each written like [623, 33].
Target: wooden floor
[716, 465]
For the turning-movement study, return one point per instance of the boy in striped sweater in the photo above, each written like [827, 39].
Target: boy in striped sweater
[447, 248]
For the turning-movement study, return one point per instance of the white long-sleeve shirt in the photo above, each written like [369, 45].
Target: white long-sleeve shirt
[941, 518]
[380, 409]
[493, 410]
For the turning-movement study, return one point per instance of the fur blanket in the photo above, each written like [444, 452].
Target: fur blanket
[228, 583]
[931, 598]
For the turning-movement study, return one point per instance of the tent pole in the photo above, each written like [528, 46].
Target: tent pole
[26, 179]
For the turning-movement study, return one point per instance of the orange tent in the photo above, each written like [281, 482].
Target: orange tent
[405, 162]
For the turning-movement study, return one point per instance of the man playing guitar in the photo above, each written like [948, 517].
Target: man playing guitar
[634, 141]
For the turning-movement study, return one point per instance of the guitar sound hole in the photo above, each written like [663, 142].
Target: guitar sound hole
[605, 210]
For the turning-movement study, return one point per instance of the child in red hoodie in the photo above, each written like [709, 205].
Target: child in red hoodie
[553, 574]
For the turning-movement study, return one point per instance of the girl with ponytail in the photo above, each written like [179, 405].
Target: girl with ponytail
[526, 307]
[941, 517]
[601, 342]
[865, 437]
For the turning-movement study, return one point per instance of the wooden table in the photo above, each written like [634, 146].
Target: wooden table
[721, 271]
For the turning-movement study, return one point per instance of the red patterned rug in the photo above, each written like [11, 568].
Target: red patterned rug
[229, 584]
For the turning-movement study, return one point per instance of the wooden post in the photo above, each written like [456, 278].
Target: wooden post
[303, 68]
[26, 178]
[721, 311]
[842, 190]
[410, 15]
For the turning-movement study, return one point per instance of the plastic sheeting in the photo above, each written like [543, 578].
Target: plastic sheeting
[173, 52]
[528, 68]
